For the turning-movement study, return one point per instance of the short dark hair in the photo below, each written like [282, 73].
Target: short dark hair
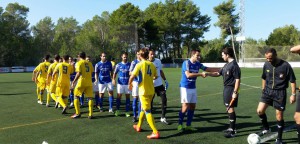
[124, 53]
[144, 52]
[271, 50]
[66, 57]
[47, 57]
[56, 57]
[82, 55]
[193, 51]
[229, 51]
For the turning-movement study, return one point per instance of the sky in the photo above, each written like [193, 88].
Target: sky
[261, 16]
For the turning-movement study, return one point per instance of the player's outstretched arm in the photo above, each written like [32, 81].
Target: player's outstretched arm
[295, 49]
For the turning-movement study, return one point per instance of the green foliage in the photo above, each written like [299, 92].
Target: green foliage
[284, 36]
[211, 52]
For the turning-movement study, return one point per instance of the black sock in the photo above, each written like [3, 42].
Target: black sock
[280, 126]
[298, 131]
[232, 120]
[264, 121]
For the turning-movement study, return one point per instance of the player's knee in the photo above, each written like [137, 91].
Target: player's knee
[297, 118]
[259, 112]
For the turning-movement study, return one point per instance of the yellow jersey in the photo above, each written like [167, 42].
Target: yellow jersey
[85, 68]
[50, 71]
[64, 71]
[42, 70]
[145, 71]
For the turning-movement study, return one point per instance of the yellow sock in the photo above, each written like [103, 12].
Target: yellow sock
[38, 93]
[76, 106]
[150, 121]
[53, 96]
[48, 98]
[62, 102]
[141, 118]
[90, 107]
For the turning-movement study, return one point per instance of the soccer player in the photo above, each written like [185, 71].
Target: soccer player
[84, 70]
[103, 73]
[188, 91]
[135, 89]
[95, 86]
[122, 70]
[160, 89]
[147, 72]
[113, 63]
[39, 76]
[52, 81]
[276, 76]
[64, 70]
[231, 80]
[296, 49]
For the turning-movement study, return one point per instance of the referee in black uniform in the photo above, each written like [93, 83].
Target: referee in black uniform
[276, 76]
[231, 78]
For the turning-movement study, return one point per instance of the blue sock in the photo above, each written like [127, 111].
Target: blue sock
[111, 101]
[181, 117]
[190, 115]
[134, 102]
[127, 104]
[101, 102]
[96, 100]
[118, 102]
[71, 97]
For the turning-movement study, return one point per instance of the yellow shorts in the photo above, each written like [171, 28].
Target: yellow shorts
[87, 90]
[146, 102]
[41, 85]
[52, 88]
[63, 91]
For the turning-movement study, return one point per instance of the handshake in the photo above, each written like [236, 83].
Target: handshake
[205, 74]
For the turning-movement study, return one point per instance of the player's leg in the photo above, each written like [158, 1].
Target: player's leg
[120, 90]
[279, 105]
[297, 116]
[192, 100]
[265, 101]
[81, 99]
[146, 106]
[227, 97]
[89, 94]
[110, 96]
[184, 107]
[162, 93]
[96, 93]
[102, 88]
[127, 102]
[78, 91]
[48, 97]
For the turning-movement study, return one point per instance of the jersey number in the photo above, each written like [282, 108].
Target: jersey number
[87, 68]
[149, 70]
[65, 69]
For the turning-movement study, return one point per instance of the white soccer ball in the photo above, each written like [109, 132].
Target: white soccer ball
[253, 139]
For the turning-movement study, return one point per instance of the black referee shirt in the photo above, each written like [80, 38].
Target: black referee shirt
[278, 77]
[230, 72]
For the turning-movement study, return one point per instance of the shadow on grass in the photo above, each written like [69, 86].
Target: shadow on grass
[12, 94]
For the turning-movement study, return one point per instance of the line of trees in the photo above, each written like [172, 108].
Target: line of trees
[172, 28]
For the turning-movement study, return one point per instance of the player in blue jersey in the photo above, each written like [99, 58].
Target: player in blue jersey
[103, 72]
[122, 70]
[188, 91]
[134, 92]
[72, 76]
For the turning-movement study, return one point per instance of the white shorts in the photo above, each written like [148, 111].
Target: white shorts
[102, 87]
[135, 89]
[122, 89]
[95, 87]
[188, 95]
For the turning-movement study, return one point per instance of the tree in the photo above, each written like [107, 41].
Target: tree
[43, 33]
[65, 33]
[227, 21]
[211, 52]
[284, 36]
[15, 36]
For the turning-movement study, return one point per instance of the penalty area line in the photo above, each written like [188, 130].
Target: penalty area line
[30, 124]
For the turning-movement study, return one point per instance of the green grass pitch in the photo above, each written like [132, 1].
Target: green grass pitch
[24, 121]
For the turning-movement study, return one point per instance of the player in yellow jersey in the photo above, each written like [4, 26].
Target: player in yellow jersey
[84, 70]
[64, 70]
[147, 72]
[39, 76]
[52, 81]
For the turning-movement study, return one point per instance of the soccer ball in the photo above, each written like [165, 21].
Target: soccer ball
[253, 139]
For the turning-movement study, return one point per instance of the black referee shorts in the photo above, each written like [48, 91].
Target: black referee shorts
[160, 90]
[275, 98]
[227, 96]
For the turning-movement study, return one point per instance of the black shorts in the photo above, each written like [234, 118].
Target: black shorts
[275, 98]
[298, 103]
[160, 90]
[227, 96]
